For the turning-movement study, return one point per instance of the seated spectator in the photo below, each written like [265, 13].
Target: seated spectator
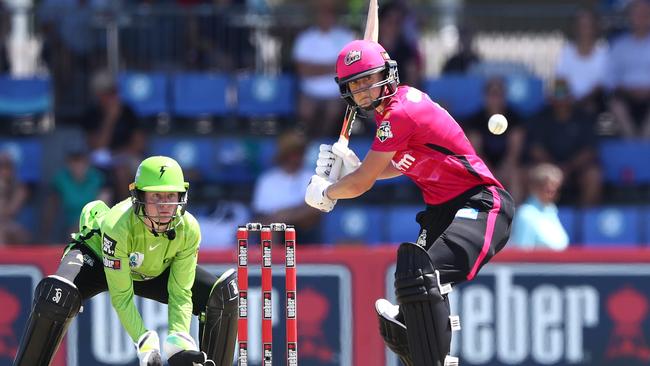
[116, 140]
[72, 187]
[320, 108]
[502, 153]
[583, 63]
[392, 17]
[536, 224]
[279, 193]
[629, 61]
[465, 57]
[564, 136]
[13, 196]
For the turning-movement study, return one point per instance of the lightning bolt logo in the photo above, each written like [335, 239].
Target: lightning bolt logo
[163, 169]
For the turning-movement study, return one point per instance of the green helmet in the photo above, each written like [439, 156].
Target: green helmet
[160, 174]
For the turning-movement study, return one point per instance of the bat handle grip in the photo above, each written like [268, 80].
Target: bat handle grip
[335, 172]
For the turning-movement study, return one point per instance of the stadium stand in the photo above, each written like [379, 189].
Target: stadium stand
[146, 93]
[611, 225]
[198, 95]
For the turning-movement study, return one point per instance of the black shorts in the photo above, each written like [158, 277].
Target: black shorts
[463, 234]
[81, 266]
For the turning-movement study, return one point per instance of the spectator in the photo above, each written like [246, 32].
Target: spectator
[72, 187]
[583, 62]
[319, 106]
[502, 153]
[392, 16]
[564, 136]
[536, 224]
[279, 193]
[114, 135]
[13, 196]
[630, 79]
[465, 57]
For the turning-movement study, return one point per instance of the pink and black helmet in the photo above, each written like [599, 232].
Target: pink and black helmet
[359, 59]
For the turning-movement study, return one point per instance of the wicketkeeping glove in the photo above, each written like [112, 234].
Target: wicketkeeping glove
[182, 351]
[315, 195]
[148, 348]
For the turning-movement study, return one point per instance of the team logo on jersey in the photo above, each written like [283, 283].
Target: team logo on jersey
[384, 132]
[108, 245]
[112, 263]
[352, 57]
[135, 259]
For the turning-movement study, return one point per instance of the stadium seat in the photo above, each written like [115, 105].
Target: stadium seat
[265, 96]
[401, 223]
[235, 160]
[611, 225]
[20, 97]
[27, 154]
[354, 224]
[461, 95]
[191, 153]
[569, 219]
[625, 162]
[146, 93]
[525, 94]
[200, 94]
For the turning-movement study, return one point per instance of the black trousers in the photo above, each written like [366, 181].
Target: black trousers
[463, 234]
[81, 266]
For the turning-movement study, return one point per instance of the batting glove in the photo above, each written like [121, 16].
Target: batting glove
[329, 153]
[350, 160]
[315, 195]
[148, 347]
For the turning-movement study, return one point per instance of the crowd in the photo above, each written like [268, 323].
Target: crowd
[601, 79]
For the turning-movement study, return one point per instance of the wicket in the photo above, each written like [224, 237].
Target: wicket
[266, 238]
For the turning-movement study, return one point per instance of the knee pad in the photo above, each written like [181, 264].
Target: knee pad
[219, 324]
[393, 330]
[56, 302]
[423, 301]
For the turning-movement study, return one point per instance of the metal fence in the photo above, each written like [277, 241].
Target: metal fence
[76, 41]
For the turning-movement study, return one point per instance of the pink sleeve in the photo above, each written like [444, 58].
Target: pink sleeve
[393, 134]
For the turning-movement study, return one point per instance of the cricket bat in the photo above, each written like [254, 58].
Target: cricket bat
[371, 34]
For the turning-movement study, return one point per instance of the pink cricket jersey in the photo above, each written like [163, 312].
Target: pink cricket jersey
[430, 147]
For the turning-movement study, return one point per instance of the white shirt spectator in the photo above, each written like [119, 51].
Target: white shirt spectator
[317, 47]
[276, 190]
[583, 73]
[629, 62]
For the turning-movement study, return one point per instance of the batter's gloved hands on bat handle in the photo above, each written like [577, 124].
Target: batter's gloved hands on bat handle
[329, 153]
[181, 350]
[148, 348]
[315, 195]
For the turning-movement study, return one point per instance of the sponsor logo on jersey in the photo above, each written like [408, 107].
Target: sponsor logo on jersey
[112, 263]
[405, 162]
[352, 57]
[108, 245]
[384, 132]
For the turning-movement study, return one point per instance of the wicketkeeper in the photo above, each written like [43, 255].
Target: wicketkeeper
[146, 245]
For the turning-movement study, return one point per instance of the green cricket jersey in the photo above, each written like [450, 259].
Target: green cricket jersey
[131, 252]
